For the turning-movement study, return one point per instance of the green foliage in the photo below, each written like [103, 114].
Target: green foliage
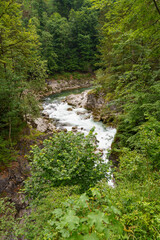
[130, 70]
[65, 159]
[22, 72]
[128, 211]
[67, 31]
[138, 202]
[8, 224]
[129, 75]
[72, 75]
[6, 151]
[41, 211]
[91, 217]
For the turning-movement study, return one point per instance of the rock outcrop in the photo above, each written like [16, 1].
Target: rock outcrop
[94, 102]
[44, 125]
[90, 100]
[78, 100]
[57, 86]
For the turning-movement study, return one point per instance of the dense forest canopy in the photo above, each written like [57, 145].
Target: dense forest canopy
[22, 70]
[130, 62]
[68, 33]
[120, 39]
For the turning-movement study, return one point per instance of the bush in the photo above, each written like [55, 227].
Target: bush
[128, 211]
[65, 159]
[34, 225]
[6, 152]
[61, 214]
[89, 217]
[8, 224]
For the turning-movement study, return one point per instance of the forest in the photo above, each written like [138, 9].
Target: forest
[67, 189]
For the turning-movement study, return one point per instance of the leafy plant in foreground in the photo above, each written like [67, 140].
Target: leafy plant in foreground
[61, 214]
[41, 211]
[90, 217]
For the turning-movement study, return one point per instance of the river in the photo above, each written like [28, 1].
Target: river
[72, 118]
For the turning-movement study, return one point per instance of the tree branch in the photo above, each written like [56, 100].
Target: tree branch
[155, 3]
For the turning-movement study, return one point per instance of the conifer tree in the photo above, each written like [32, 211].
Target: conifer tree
[22, 71]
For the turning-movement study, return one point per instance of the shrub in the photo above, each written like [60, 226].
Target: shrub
[6, 152]
[65, 159]
[8, 224]
[41, 211]
[88, 217]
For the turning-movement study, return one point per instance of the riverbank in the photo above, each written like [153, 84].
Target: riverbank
[14, 173]
[67, 81]
[55, 85]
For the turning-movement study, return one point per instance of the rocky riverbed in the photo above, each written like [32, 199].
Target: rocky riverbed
[70, 113]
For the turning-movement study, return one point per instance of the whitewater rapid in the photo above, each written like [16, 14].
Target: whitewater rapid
[71, 118]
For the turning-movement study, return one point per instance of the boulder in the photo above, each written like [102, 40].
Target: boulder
[94, 102]
[51, 127]
[77, 100]
[69, 109]
[41, 124]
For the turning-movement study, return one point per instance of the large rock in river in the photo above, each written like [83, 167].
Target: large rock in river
[78, 100]
[94, 102]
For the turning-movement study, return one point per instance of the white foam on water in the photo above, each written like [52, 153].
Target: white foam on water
[61, 112]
